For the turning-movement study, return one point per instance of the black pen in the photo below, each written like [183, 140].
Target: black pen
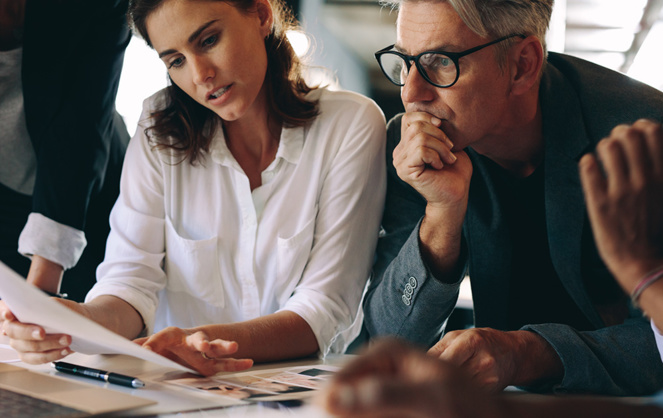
[116, 378]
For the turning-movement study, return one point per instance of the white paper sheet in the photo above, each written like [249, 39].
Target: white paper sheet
[32, 306]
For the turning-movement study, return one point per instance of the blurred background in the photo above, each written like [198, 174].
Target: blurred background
[342, 35]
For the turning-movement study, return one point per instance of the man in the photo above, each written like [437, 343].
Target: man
[485, 178]
[62, 142]
[625, 207]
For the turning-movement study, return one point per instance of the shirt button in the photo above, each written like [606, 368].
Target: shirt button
[406, 300]
[412, 282]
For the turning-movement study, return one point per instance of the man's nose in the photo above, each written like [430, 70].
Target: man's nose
[416, 88]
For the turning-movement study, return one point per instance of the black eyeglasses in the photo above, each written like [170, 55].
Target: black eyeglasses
[439, 68]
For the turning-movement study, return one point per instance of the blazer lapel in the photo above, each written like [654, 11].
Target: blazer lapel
[566, 141]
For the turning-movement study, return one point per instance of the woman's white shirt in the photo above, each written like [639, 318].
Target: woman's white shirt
[193, 245]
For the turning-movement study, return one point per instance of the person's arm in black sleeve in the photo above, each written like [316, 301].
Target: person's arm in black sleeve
[70, 113]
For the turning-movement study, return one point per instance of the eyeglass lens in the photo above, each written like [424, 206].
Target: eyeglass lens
[439, 68]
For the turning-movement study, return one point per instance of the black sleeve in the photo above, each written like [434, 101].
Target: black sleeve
[73, 56]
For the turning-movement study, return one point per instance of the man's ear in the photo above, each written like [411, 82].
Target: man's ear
[526, 60]
[266, 16]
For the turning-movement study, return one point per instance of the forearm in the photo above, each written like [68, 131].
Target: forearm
[114, 314]
[621, 360]
[440, 238]
[632, 274]
[538, 362]
[387, 310]
[651, 302]
[278, 336]
[45, 274]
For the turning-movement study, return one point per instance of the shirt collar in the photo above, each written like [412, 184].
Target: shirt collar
[290, 148]
[291, 144]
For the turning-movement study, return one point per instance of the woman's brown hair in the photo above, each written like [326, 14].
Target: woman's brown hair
[188, 127]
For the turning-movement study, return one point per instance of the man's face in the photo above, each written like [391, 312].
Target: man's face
[472, 110]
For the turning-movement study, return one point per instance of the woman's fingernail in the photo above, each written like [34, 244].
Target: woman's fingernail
[36, 335]
[63, 341]
[435, 121]
[453, 157]
[65, 352]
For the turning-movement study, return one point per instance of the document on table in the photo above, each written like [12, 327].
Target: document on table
[32, 306]
[277, 384]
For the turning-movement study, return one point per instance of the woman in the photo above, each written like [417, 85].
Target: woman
[248, 200]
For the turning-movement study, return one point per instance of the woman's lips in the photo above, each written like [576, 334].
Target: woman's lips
[218, 92]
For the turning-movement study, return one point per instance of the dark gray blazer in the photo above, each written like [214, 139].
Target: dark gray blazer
[581, 103]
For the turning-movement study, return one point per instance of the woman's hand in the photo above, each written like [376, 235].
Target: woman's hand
[31, 342]
[193, 349]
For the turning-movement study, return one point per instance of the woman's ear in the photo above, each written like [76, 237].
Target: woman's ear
[266, 16]
[526, 60]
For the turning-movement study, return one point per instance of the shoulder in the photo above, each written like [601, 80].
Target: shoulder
[140, 142]
[394, 132]
[603, 92]
[346, 104]
[394, 124]
[156, 101]
[346, 120]
[152, 104]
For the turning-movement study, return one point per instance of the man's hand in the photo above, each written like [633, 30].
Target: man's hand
[395, 380]
[496, 359]
[193, 349]
[625, 201]
[424, 159]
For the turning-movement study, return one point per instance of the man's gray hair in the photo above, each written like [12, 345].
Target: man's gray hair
[497, 18]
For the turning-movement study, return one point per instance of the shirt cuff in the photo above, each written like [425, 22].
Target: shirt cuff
[52, 240]
[145, 304]
[659, 339]
[329, 324]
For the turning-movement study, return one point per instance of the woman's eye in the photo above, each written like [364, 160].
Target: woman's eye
[176, 63]
[209, 41]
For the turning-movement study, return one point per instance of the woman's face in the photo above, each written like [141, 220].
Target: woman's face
[214, 52]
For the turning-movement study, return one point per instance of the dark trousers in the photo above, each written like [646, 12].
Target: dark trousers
[14, 210]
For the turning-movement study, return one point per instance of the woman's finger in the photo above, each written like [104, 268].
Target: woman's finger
[45, 356]
[232, 365]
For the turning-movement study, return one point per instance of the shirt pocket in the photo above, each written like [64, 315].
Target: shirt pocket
[192, 266]
[293, 255]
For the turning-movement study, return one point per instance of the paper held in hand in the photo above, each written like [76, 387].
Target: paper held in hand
[32, 306]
